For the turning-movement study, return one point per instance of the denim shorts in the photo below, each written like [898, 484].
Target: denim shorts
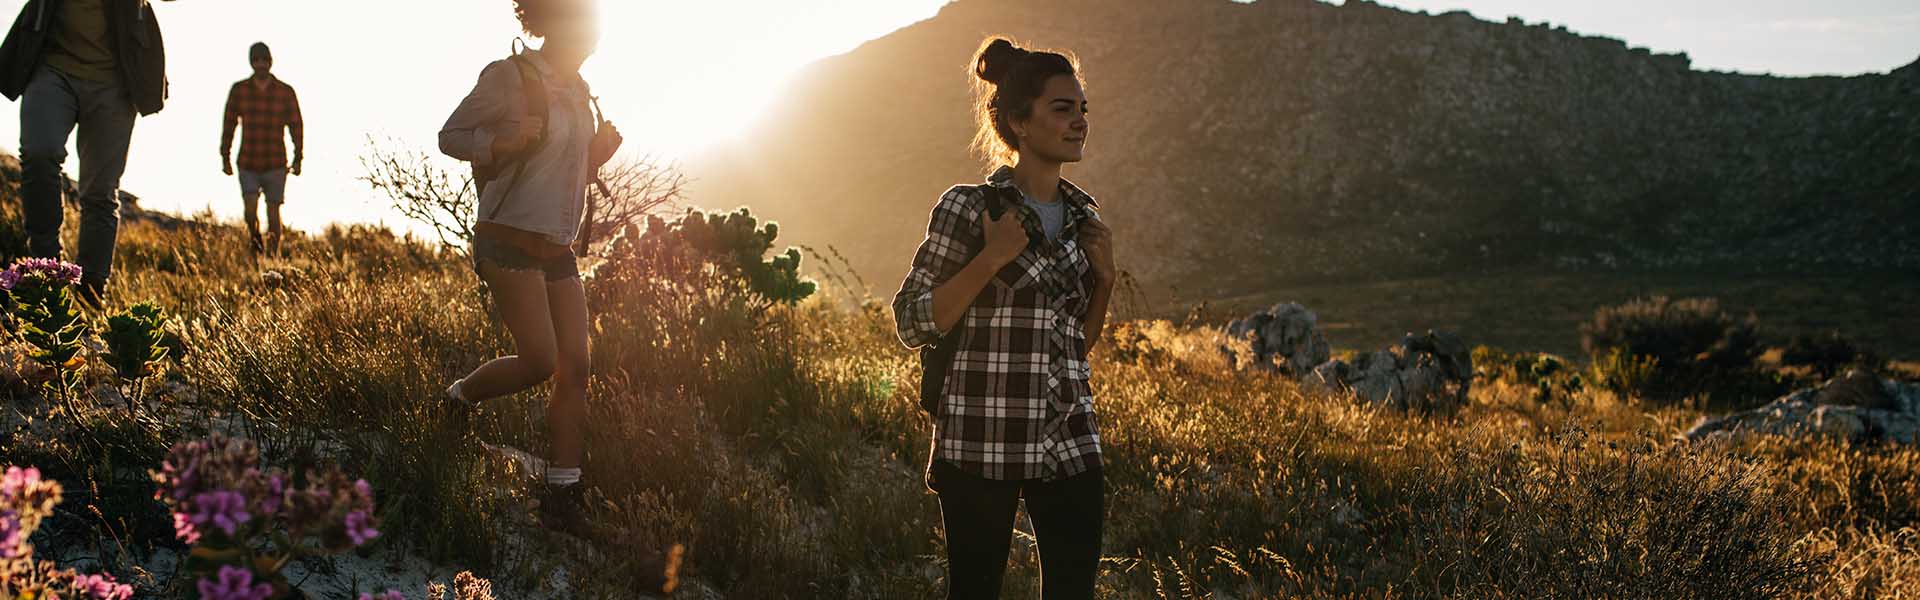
[273, 183]
[507, 257]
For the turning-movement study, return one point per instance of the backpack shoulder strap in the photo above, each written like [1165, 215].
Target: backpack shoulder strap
[998, 200]
[535, 91]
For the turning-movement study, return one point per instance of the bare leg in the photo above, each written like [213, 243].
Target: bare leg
[567, 408]
[250, 195]
[521, 297]
[273, 229]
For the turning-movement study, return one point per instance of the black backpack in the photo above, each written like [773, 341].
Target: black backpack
[936, 360]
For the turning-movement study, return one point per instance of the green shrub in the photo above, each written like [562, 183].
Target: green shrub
[1548, 375]
[1828, 354]
[735, 241]
[1620, 371]
[1691, 344]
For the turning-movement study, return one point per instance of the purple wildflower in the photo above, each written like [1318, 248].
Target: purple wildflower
[179, 481]
[10, 538]
[234, 583]
[101, 587]
[8, 279]
[43, 269]
[224, 509]
[387, 595]
[360, 527]
[276, 495]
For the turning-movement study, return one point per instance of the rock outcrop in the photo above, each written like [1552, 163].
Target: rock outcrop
[1423, 373]
[1285, 338]
[1857, 407]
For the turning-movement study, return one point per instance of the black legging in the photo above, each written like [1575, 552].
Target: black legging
[1068, 517]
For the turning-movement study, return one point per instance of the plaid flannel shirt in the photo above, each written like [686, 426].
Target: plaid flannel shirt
[261, 114]
[1016, 403]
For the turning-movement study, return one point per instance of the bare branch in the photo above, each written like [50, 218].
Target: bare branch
[640, 187]
[422, 189]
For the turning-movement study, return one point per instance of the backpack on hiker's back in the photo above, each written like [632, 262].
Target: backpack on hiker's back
[936, 359]
[537, 103]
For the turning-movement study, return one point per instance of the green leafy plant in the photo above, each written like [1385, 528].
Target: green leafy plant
[1620, 371]
[1550, 376]
[739, 242]
[137, 341]
[43, 307]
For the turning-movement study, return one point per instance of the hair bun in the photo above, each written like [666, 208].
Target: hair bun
[996, 59]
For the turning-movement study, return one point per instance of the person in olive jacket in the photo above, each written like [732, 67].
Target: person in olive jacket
[91, 64]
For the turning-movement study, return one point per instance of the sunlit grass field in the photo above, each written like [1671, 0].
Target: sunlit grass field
[783, 446]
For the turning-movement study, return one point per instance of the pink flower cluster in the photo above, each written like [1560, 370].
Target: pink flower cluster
[25, 500]
[100, 587]
[40, 270]
[216, 487]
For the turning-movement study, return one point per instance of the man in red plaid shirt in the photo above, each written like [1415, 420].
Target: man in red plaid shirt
[265, 107]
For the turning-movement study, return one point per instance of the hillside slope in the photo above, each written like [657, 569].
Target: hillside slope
[1239, 145]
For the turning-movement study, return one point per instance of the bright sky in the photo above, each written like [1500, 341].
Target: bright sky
[673, 75]
[679, 76]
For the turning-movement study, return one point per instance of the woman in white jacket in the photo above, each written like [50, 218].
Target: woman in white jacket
[533, 166]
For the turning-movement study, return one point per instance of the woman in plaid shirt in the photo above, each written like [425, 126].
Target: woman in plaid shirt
[1015, 274]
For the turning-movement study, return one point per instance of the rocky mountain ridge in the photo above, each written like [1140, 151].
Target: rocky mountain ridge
[1239, 145]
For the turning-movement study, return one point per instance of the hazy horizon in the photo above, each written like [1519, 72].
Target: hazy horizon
[682, 77]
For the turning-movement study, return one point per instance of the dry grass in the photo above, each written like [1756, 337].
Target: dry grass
[783, 446]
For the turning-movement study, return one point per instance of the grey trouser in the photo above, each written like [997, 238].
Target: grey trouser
[51, 107]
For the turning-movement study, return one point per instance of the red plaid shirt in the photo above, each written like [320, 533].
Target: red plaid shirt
[264, 111]
[1017, 404]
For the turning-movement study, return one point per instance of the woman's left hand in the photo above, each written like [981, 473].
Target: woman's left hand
[606, 142]
[1096, 239]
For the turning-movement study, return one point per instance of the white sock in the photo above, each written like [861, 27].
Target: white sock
[454, 392]
[563, 477]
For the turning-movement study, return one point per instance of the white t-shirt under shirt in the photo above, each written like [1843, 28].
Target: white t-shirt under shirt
[1053, 215]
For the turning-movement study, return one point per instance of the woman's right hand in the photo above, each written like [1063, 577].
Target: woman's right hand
[517, 139]
[1006, 238]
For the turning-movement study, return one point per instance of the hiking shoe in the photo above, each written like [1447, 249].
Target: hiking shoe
[563, 509]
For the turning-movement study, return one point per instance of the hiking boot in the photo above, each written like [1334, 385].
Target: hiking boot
[563, 509]
[655, 567]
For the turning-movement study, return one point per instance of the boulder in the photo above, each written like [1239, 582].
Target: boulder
[1285, 338]
[1857, 407]
[1424, 373]
[1427, 374]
